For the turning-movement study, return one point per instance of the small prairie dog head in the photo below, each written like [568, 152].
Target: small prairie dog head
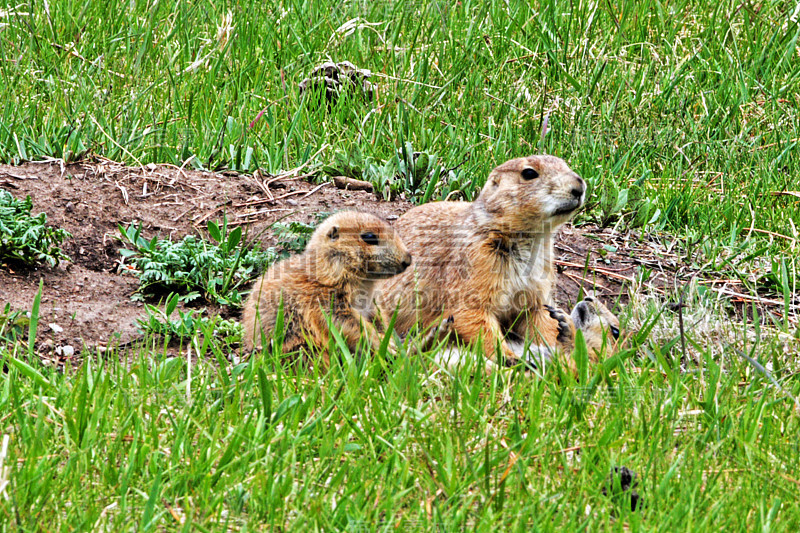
[538, 189]
[351, 246]
[599, 326]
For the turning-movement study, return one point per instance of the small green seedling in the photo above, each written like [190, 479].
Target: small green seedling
[188, 323]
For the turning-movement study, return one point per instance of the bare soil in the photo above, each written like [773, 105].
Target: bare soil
[87, 302]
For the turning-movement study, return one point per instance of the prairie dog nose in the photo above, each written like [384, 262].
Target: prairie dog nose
[406, 262]
[579, 188]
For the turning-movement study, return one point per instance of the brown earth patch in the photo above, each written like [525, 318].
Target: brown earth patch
[88, 302]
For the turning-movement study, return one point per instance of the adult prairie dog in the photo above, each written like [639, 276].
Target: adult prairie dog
[489, 263]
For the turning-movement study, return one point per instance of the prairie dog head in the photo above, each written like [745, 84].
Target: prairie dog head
[357, 246]
[599, 326]
[538, 190]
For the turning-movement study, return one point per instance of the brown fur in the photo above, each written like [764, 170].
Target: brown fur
[334, 275]
[600, 329]
[489, 263]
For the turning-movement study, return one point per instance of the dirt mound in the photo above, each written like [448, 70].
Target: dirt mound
[88, 301]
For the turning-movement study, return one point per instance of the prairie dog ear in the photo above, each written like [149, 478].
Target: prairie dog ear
[333, 233]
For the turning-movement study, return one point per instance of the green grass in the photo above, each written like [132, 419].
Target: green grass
[682, 116]
[188, 323]
[152, 443]
[697, 102]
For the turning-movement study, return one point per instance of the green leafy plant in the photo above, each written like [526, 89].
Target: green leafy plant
[188, 323]
[632, 205]
[418, 175]
[384, 176]
[25, 238]
[420, 171]
[194, 267]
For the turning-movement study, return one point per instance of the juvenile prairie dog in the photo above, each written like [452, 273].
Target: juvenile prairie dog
[335, 274]
[600, 329]
[489, 263]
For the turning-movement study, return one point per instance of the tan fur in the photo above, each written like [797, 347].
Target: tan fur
[488, 263]
[334, 275]
[598, 326]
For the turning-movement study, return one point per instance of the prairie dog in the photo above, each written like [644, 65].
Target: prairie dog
[489, 263]
[600, 329]
[599, 326]
[335, 274]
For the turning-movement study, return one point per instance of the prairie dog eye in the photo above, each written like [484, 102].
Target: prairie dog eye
[529, 174]
[615, 332]
[369, 238]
